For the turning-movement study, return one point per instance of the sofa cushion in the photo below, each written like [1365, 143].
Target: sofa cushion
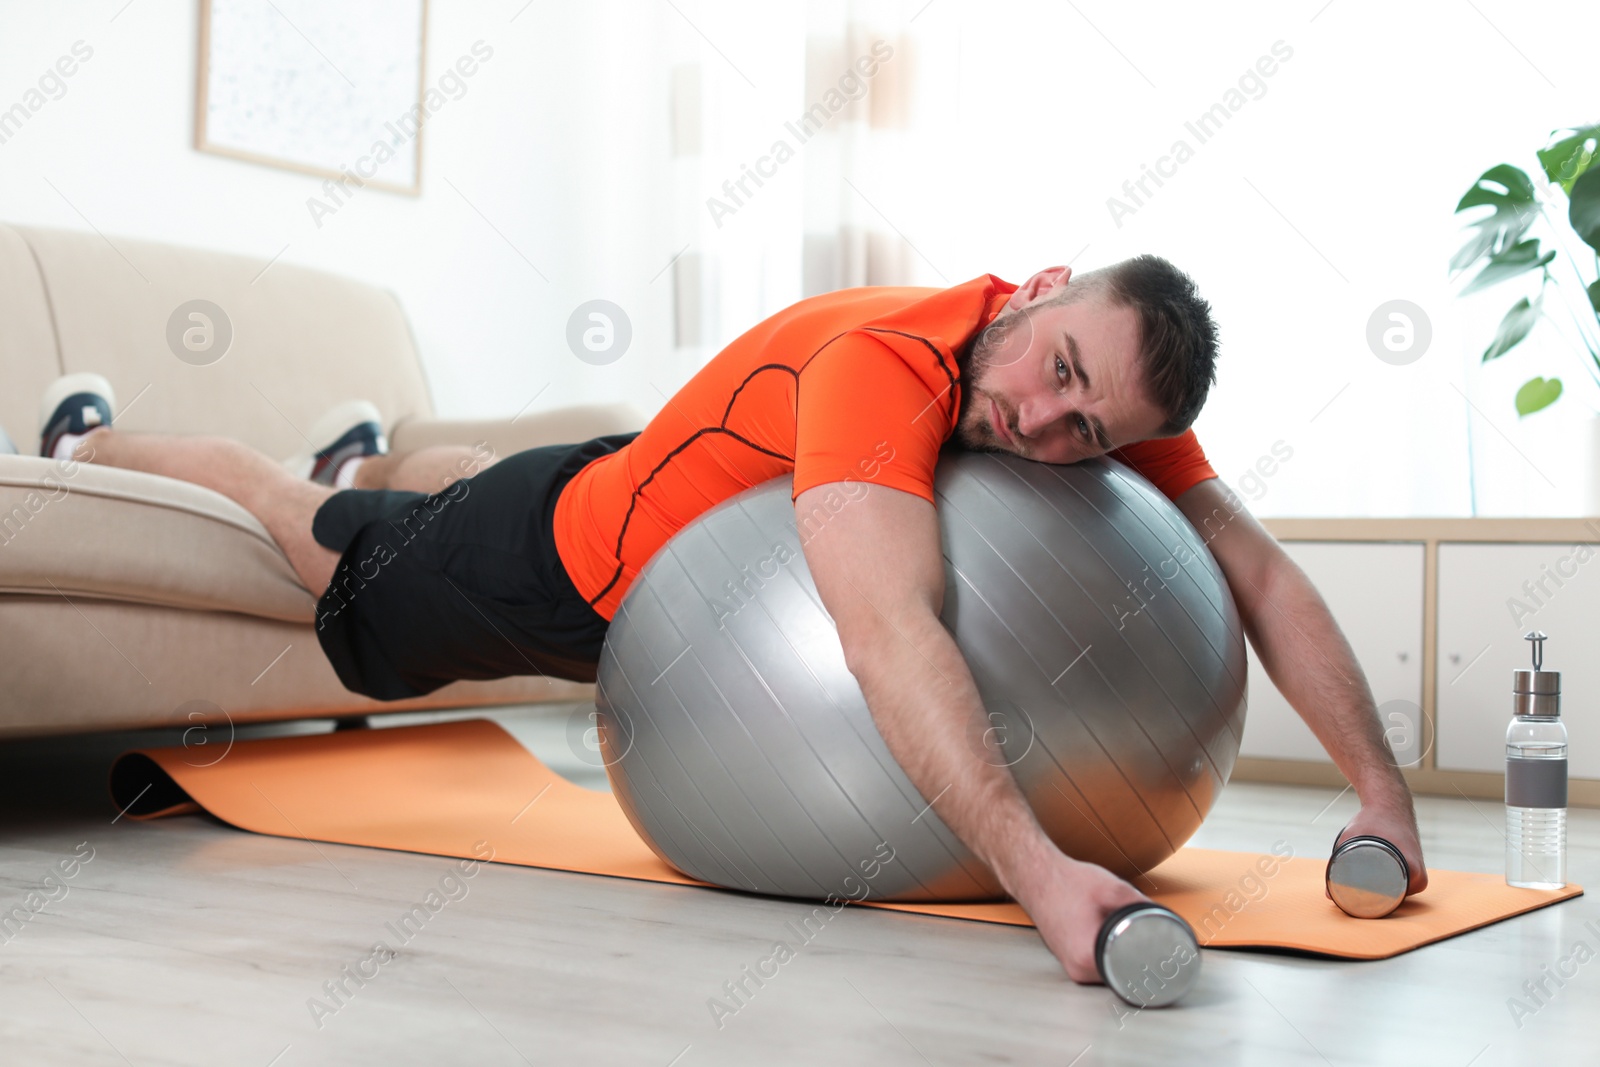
[82, 530]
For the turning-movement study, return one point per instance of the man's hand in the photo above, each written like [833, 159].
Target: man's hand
[1068, 904]
[1395, 822]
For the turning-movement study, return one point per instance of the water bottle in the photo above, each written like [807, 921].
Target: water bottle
[1536, 778]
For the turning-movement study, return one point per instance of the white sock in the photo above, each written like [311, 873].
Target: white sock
[345, 478]
[65, 445]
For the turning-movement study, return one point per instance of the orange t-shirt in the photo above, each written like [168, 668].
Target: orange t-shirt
[856, 385]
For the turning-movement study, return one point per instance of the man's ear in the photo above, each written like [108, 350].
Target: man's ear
[1043, 284]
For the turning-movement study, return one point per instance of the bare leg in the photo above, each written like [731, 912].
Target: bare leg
[282, 503]
[427, 470]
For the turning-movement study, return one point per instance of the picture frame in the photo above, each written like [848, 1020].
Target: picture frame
[270, 90]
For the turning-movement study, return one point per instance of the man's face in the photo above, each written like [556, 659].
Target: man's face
[1056, 384]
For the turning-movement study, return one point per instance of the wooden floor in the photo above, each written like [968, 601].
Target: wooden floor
[185, 942]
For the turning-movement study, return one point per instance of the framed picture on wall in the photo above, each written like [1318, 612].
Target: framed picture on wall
[326, 87]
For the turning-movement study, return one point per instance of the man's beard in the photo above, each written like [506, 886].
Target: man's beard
[974, 433]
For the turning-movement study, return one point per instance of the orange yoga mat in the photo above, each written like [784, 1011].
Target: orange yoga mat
[460, 788]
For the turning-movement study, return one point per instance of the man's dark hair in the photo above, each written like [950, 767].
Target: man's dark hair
[1177, 338]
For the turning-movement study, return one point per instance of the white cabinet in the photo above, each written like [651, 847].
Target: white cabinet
[1374, 590]
[1489, 596]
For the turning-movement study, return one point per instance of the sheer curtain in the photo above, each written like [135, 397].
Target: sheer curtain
[861, 56]
[790, 161]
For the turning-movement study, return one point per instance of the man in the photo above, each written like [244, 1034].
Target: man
[426, 577]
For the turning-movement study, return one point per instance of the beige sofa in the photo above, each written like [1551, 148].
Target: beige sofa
[129, 600]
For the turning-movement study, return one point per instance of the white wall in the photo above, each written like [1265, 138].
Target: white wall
[554, 141]
[1329, 195]
[1363, 143]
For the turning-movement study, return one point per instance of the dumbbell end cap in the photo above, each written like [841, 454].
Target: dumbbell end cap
[1147, 954]
[1367, 877]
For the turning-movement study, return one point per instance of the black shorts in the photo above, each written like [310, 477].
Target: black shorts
[464, 583]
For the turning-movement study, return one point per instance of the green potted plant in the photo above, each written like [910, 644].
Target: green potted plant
[1500, 246]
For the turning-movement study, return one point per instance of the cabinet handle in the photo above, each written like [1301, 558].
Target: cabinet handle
[1455, 657]
[1404, 656]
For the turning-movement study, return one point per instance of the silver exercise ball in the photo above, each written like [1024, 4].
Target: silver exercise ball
[1100, 631]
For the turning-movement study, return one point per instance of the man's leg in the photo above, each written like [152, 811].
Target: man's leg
[282, 503]
[427, 470]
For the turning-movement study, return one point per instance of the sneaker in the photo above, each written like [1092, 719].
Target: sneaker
[348, 431]
[73, 403]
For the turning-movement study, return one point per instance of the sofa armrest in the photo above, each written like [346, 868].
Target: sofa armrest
[567, 425]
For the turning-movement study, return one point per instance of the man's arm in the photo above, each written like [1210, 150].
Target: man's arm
[878, 566]
[1308, 659]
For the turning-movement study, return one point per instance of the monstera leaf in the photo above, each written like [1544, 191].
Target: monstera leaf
[1509, 192]
[1518, 259]
[1498, 243]
[1514, 327]
[1565, 160]
[1584, 211]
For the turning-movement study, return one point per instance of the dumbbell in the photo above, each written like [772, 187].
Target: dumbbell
[1147, 954]
[1367, 876]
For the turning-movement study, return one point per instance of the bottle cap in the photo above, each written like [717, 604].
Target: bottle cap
[1536, 692]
